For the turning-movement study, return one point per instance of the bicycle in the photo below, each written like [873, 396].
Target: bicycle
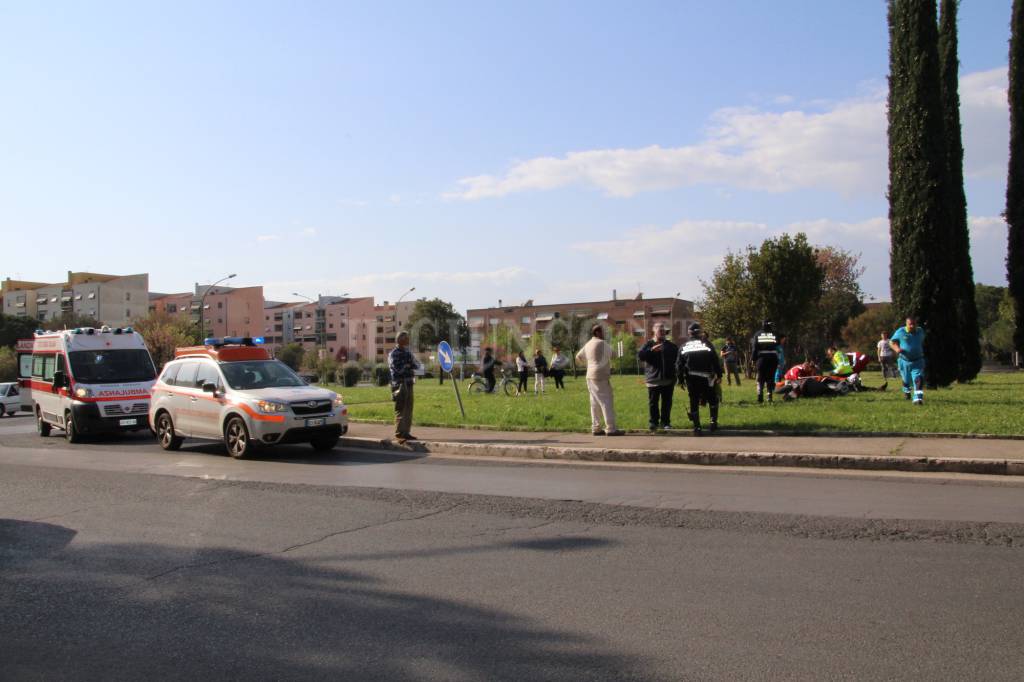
[507, 384]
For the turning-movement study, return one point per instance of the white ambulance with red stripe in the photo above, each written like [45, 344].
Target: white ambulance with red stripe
[86, 380]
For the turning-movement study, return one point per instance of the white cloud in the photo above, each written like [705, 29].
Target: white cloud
[309, 232]
[841, 148]
[263, 238]
[352, 202]
[386, 285]
[652, 246]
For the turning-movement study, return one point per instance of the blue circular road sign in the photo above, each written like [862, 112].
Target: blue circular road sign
[445, 356]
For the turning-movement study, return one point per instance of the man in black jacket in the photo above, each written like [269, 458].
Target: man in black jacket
[700, 370]
[659, 358]
[764, 352]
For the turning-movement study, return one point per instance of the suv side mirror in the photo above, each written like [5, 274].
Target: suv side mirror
[209, 388]
[60, 380]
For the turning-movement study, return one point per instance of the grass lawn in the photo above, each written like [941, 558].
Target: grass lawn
[993, 404]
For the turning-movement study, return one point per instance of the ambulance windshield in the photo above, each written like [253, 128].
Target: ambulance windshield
[112, 366]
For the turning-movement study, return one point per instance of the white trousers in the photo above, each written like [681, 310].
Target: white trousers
[601, 404]
[538, 382]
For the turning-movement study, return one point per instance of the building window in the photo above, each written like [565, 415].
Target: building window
[127, 313]
[172, 308]
[220, 304]
[525, 319]
[127, 295]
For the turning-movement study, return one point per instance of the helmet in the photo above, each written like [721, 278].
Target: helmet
[768, 326]
[695, 329]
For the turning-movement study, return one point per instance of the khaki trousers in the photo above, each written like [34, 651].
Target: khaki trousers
[403, 410]
[601, 404]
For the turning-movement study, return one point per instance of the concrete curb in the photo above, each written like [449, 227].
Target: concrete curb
[684, 433]
[1000, 467]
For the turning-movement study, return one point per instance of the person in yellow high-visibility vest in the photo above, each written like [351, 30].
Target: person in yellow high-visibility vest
[841, 366]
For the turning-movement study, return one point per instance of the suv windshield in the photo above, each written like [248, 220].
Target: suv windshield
[111, 366]
[243, 376]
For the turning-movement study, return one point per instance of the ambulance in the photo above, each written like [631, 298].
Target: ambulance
[86, 380]
[231, 390]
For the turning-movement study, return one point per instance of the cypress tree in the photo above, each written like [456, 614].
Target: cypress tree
[969, 345]
[1015, 177]
[920, 264]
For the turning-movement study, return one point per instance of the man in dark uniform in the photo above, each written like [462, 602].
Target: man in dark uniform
[699, 370]
[403, 367]
[764, 352]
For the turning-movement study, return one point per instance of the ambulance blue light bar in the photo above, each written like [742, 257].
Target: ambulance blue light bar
[232, 341]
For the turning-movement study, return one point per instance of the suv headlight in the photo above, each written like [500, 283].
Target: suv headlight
[339, 401]
[271, 406]
[83, 392]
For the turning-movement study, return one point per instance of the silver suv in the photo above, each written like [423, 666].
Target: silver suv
[238, 394]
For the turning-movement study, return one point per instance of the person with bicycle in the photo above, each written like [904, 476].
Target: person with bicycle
[487, 369]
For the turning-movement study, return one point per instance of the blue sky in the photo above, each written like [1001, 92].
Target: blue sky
[476, 150]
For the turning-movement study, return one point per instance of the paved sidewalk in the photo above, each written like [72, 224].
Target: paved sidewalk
[960, 455]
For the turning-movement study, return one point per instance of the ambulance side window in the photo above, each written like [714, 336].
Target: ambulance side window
[37, 366]
[49, 364]
[187, 375]
[61, 364]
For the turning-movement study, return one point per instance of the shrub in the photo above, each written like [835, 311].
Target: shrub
[351, 374]
[381, 374]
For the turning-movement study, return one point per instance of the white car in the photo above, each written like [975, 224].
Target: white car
[232, 390]
[10, 398]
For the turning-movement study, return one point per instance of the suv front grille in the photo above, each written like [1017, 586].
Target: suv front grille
[317, 407]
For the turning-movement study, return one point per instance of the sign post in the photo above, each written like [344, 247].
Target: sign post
[446, 358]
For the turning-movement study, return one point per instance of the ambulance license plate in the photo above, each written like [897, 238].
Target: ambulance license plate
[320, 421]
[128, 422]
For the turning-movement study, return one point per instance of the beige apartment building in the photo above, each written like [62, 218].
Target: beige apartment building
[341, 327]
[113, 300]
[635, 316]
[225, 311]
[389, 319]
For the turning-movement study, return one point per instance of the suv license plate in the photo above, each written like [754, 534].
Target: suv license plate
[128, 422]
[316, 422]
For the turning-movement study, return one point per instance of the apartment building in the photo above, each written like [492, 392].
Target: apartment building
[634, 316]
[390, 318]
[341, 327]
[113, 300]
[225, 311]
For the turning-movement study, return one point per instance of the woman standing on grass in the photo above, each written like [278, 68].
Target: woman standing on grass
[540, 367]
[559, 361]
[521, 367]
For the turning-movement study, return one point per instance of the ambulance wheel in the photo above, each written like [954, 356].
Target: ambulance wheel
[42, 428]
[71, 433]
[236, 438]
[165, 433]
[1, 410]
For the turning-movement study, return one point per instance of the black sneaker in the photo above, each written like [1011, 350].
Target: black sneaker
[714, 426]
[697, 431]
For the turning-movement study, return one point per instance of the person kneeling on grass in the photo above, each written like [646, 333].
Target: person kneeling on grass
[699, 370]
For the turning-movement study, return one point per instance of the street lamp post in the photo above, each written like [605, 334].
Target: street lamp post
[671, 318]
[320, 322]
[202, 302]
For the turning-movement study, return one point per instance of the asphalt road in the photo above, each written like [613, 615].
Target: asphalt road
[120, 561]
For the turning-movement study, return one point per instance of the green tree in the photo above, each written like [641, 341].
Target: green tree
[988, 300]
[727, 307]
[505, 341]
[74, 320]
[920, 257]
[841, 297]
[863, 332]
[1015, 175]
[432, 322]
[969, 360]
[291, 354]
[627, 362]
[163, 333]
[8, 364]
[786, 284]
[13, 328]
